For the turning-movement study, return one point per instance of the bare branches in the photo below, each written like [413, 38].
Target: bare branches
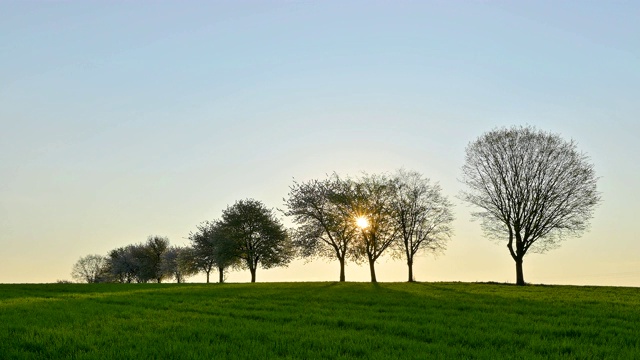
[323, 230]
[532, 187]
[403, 211]
[421, 214]
[90, 269]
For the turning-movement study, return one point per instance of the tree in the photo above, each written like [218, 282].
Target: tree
[153, 254]
[258, 238]
[140, 262]
[143, 268]
[122, 264]
[90, 269]
[323, 230]
[532, 187]
[175, 264]
[366, 203]
[210, 247]
[422, 216]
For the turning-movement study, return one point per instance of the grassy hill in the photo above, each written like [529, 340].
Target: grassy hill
[318, 320]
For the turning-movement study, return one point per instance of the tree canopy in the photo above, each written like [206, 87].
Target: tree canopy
[258, 237]
[532, 187]
[323, 230]
[422, 216]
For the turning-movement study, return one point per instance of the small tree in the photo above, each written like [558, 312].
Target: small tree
[155, 248]
[421, 214]
[323, 230]
[140, 262]
[532, 187]
[175, 265]
[90, 269]
[257, 237]
[211, 248]
[123, 265]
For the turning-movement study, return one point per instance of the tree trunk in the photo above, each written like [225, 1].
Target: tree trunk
[519, 273]
[208, 275]
[372, 268]
[221, 272]
[410, 265]
[342, 278]
[253, 275]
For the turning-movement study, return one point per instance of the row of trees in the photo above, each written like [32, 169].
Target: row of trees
[357, 219]
[248, 235]
[360, 219]
[531, 187]
[155, 260]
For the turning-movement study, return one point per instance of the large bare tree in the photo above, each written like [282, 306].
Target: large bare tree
[323, 230]
[533, 189]
[422, 215]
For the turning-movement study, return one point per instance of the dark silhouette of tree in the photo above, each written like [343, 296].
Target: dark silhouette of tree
[139, 262]
[90, 269]
[153, 254]
[142, 265]
[323, 230]
[421, 214]
[122, 264]
[532, 187]
[366, 203]
[211, 248]
[176, 264]
[258, 237]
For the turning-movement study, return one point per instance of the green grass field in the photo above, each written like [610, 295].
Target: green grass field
[318, 320]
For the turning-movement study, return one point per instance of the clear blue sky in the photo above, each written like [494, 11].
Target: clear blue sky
[119, 120]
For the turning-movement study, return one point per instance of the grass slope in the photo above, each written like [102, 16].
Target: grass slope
[318, 320]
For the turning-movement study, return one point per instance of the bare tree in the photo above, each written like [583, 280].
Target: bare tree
[532, 187]
[90, 269]
[421, 214]
[366, 203]
[258, 237]
[323, 230]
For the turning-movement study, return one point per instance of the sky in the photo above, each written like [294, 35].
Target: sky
[120, 120]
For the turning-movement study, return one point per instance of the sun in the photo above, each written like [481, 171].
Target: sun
[362, 222]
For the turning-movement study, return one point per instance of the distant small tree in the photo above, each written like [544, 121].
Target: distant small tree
[155, 248]
[532, 187]
[139, 262]
[258, 238]
[123, 265]
[323, 230]
[421, 214]
[144, 269]
[174, 265]
[90, 269]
